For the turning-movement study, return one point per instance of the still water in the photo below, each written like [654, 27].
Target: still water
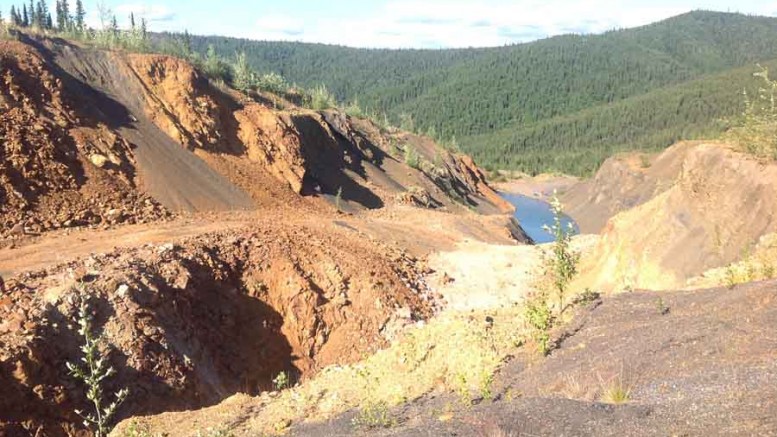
[533, 214]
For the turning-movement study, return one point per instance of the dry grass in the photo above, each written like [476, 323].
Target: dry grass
[454, 353]
[615, 392]
[760, 264]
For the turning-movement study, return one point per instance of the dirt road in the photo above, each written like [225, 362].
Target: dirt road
[58, 247]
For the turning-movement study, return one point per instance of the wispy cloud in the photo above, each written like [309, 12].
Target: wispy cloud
[428, 23]
[160, 16]
[151, 12]
[459, 23]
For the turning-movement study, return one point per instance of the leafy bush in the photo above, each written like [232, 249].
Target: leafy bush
[561, 266]
[539, 318]
[273, 83]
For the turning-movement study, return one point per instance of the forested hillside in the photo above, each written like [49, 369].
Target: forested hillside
[563, 104]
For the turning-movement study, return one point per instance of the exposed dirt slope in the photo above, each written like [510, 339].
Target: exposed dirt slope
[87, 121]
[55, 171]
[111, 92]
[707, 364]
[195, 322]
[623, 182]
[719, 207]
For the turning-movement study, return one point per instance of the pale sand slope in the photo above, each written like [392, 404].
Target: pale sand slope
[490, 276]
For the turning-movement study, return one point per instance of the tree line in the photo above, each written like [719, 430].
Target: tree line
[37, 17]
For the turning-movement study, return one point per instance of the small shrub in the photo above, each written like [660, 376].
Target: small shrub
[412, 158]
[93, 374]
[281, 381]
[354, 110]
[462, 389]
[486, 385]
[243, 78]
[374, 415]
[586, 297]
[540, 319]
[661, 307]
[273, 83]
[406, 122]
[561, 266]
[731, 277]
[320, 99]
[339, 199]
[767, 271]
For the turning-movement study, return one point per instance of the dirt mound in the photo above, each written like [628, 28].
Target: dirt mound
[56, 173]
[195, 322]
[720, 205]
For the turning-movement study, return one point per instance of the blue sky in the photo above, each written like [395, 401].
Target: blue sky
[404, 23]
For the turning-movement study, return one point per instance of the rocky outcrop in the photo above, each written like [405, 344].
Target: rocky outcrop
[56, 173]
[475, 177]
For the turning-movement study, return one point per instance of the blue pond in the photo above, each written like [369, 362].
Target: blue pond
[533, 214]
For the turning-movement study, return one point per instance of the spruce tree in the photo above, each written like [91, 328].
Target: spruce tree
[33, 16]
[143, 34]
[80, 15]
[58, 10]
[40, 17]
[114, 30]
[25, 16]
[66, 21]
[14, 16]
[45, 15]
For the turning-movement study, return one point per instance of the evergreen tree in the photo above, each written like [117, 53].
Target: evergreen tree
[132, 21]
[33, 16]
[187, 43]
[143, 34]
[58, 10]
[25, 16]
[80, 16]
[45, 15]
[15, 17]
[66, 20]
[244, 77]
[40, 16]
[114, 29]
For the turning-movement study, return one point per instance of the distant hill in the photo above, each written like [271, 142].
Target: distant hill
[563, 103]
